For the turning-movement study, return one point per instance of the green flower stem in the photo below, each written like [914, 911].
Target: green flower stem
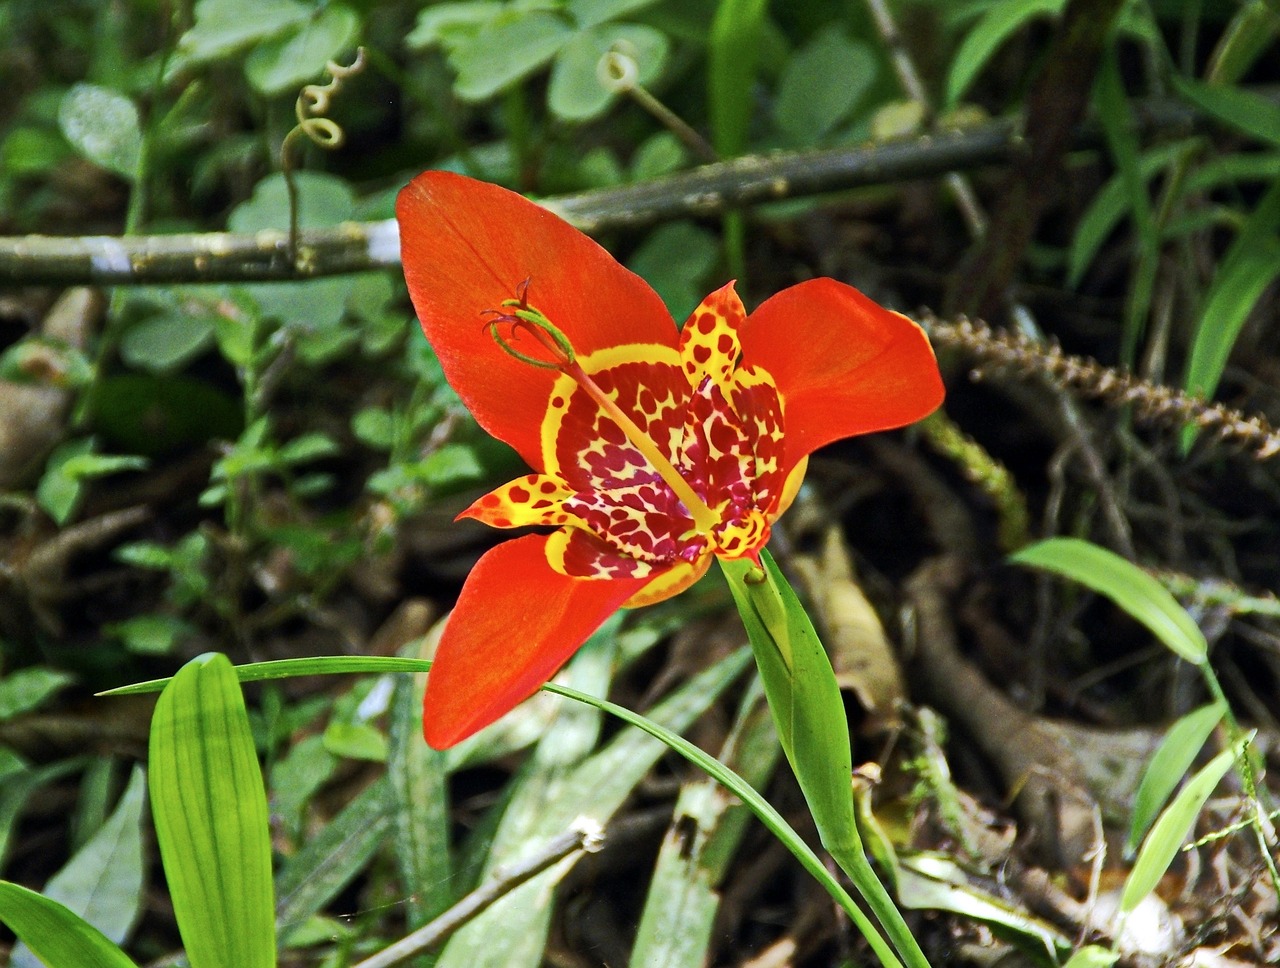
[809, 712]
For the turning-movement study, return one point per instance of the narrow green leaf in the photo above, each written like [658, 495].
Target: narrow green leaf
[316, 873]
[59, 938]
[733, 53]
[1171, 829]
[103, 881]
[211, 819]
[1234, 106]
[420, 802]
[1000, 21]
[1125, 584]
[1169, 765]
[1247, 268]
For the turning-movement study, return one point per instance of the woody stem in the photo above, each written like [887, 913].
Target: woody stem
[703, 517]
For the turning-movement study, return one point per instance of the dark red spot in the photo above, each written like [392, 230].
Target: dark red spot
[547, 487]
[706, 323]
[702, 353]
[519, 495]
[725, 343]
[502, 522]
[557, 402]
[540, 505]
[490, 501]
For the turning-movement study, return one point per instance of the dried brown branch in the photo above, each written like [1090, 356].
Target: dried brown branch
[1082, 376]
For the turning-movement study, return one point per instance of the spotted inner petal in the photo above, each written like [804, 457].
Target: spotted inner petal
[719, 426]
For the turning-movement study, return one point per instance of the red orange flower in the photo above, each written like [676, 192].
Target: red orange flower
[654, 449]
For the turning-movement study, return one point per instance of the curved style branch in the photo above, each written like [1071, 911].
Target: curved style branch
[362, 246]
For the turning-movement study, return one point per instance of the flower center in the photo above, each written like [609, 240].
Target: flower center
[561, 357]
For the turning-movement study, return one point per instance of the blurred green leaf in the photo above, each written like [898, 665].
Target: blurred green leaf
[330, 859]
[659, 154]
[821, 84]
[588, 13]
[1171, 829]
[1125, 584]
[1112, 203]
[104, 126]
[1169, 766]
[223, 27]
[1247, 268]
[420, 794]
[211, 818]
[358, 741]
[733, 52]
[451, 24]
[512, 46]
[1234, 106]
[19, 785]
[575, 92]
[998, 22]
[1092, 956]
[57, 936]
[675, 259]
[166, 342]
[150, 634]
[298, 55]
[26, 689]
[103, 881]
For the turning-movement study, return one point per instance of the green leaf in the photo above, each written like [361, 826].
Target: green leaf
[1234, 106]
[166, 342]
[450, 465]
[211, 818]
[223, 27]
[18, 786]
[451, 24]
[297, 56]
[1171, 829]
[420, 794]
[576, 93]
[57, 491]
[103, 881]
[675, 259]
[316, 873]
[1000, 21]
[59, 938]
[1168, 767]
[1111, 204]
[1247, 268]
[150, 634]
[511, 47]
[1092, 956]
[374, 426]
[821, 84]
[1125, 584]
[733, 53]
[103, 126]
[308, 447]
[25, 689]
[588, 13]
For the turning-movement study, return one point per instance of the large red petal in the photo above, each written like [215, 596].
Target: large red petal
[515, 624]
[842, 364]
[467, 246]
